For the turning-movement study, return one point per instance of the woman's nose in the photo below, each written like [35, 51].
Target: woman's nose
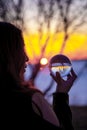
[27, 58]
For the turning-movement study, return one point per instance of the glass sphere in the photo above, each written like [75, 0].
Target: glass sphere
[60, 63]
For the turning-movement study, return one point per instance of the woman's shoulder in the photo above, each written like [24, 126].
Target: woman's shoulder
[30, 91]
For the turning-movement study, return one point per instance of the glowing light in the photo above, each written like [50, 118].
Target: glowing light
[75, 48]
[43, 61]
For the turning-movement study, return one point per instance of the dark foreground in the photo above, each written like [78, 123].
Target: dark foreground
[79, 115]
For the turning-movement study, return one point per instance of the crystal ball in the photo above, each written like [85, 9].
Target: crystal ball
[60, 63]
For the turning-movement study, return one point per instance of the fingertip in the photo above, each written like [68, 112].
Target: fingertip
[68, 76]
[73, 74]
[72, 71]
[58, 75]
[51, 74]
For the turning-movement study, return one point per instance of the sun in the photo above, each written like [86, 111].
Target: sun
[43, 61]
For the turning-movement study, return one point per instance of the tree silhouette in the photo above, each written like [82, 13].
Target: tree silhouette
[63, 14]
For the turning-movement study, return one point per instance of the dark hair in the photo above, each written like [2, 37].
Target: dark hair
[11, 48]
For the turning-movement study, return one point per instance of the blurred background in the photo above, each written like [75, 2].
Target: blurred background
[53, 27]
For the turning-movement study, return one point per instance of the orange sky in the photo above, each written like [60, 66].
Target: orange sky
[75, 49]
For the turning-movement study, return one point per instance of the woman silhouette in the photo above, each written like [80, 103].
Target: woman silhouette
[21, 105]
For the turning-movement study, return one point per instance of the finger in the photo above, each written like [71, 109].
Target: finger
[52, 75]
[68, 76]
[59, 78]
[73, 74]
